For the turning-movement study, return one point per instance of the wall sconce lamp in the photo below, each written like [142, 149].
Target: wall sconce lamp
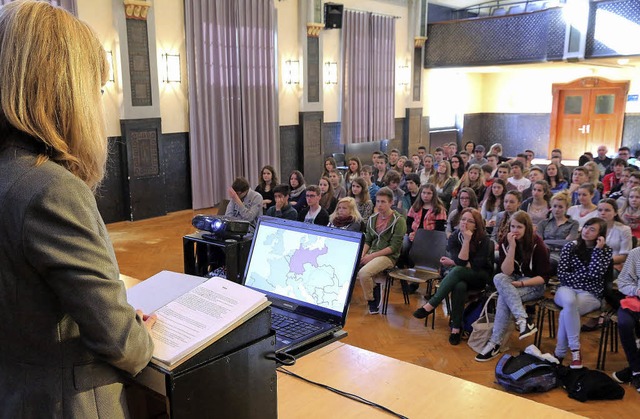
[172, 68]
[330, 73]
[404, 75]
[292, 72]
[111, 70]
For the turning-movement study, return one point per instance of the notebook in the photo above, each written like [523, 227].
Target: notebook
[308, 273]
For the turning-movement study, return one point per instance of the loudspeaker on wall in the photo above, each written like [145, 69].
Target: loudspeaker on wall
[333, 15]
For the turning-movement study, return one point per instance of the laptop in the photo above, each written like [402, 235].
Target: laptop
[308, 273]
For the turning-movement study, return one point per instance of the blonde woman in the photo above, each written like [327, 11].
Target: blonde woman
[66, 317]
[346, 215]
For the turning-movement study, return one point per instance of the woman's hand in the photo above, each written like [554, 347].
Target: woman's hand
[600, 242]
[445, 261]
[412, 235]
[467, 234]
[511, 239]
[149, 320]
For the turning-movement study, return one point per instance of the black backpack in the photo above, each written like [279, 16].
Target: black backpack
[526, 374]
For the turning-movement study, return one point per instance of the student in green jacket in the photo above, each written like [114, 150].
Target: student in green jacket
[383, 241]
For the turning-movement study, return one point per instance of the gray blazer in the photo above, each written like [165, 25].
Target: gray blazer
[67, 333]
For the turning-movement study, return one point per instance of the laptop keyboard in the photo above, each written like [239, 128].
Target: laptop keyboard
[291, 328]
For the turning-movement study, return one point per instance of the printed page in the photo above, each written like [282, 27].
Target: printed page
[201, 316]
[160, 289]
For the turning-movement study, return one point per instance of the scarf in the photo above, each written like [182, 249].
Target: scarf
[342, 221]
[296, 192]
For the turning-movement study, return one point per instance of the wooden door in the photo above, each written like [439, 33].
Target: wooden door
[587, 113]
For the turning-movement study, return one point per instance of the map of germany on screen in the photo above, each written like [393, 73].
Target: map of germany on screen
[303, 266]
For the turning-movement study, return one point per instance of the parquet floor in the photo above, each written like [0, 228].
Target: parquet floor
[145, 247]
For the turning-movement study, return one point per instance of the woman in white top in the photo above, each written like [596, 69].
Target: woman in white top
[619, 237]
[428, 171]
[585, 209]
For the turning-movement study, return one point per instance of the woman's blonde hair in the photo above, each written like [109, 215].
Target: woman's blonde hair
[51, 69]
[351, 205]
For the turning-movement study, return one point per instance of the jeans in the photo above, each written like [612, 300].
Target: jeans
[368, 271]
[509, 303]
[574, 303]
[627, 321]
[457, 282]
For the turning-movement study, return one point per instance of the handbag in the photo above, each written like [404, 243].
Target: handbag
[483, 328]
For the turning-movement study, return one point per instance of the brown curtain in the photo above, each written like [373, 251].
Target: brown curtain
[233, 99]
[368, 52]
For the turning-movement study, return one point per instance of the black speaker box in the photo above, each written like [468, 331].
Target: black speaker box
[333, 15]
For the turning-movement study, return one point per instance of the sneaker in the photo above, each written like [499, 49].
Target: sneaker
[622, 376]
[374, 307]
[527, 329]
[489, 352]
[576, 360]
[635, 381]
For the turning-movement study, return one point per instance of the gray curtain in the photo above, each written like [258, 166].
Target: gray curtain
[368, 89]
[232, 93]
[69, 5]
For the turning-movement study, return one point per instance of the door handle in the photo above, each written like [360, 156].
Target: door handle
[583, 129]
[588, 128]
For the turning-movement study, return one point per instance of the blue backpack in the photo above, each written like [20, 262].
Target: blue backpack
[526, 374]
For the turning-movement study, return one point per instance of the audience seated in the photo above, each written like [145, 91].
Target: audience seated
[585, 209]
[427, 212]
[313, 213]
[407, 169]
[585, 266]
[457, 167]
[472, 261]
[412, 184]
[630, 211]
[619, 237]
[268, 180]
[244, 203]
[427, 170]
[383, 241]
[494, 203]
[538, 205]
[392, 180]
[372, 187]
[535, 174]
[511, 202]
[469, 147]
[593, 173]
[478, 156]
[466, 199]
[524, 266]
[353, 172]
[327, 200]
[556, 157]
[281, 207]
[559, 228]
[444, 183]
[360, 193]
[338, 190]
[629, 319]
[613, 179]
[517, 178]
[394, 156]
[346, 215]
[555, 179]
[380, 171]
[298, 191]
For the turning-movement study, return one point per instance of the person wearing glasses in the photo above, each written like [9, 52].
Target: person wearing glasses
[314, 213]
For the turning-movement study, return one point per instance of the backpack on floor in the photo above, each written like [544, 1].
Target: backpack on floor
[525, 374]
[471, 313]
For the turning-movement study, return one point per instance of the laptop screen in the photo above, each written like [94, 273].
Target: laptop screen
[302, 265]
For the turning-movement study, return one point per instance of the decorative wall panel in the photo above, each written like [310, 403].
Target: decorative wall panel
[521, 38]
[612, 26]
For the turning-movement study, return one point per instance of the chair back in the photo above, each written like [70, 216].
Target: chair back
[427, 249]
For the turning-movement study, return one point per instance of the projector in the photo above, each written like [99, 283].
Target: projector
[221, 227]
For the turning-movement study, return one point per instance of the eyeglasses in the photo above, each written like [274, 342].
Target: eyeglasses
[468, 220]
